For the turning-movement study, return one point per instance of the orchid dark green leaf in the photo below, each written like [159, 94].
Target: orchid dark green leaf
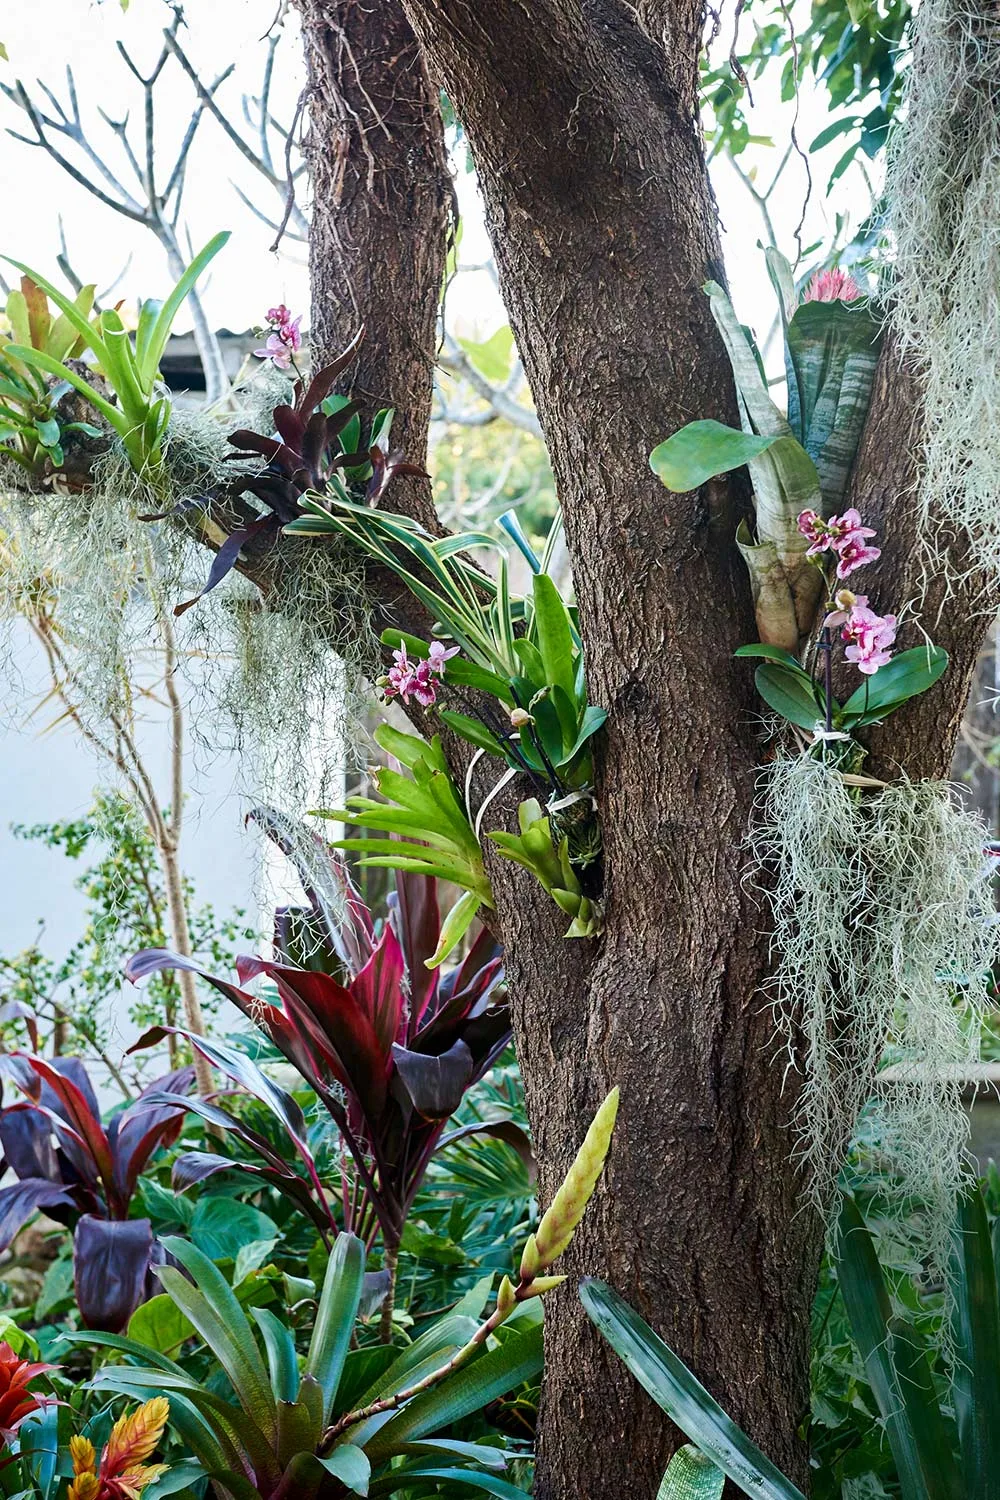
[702, 450]
[789, 694]
[907, 676]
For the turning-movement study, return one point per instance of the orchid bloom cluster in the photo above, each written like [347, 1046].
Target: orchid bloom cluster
[407, 679]
[869, 636]
[844, 535]
[284, 338]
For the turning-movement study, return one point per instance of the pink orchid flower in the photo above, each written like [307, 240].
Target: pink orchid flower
[276, 350]
[845, 535]
[437, 656]
[852, 553]
[406, 679]
[870, 637]
[845, 602]
[284, 338]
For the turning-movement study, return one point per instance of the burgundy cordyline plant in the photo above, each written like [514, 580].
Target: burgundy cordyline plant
[388, 1046]
[84, 1174]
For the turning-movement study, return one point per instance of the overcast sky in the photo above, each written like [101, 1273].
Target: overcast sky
[43, 36]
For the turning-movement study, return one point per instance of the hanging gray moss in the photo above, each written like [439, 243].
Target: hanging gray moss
[884, 934]
[943, 200]
[275, 678]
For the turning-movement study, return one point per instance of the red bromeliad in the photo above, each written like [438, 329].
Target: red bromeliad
[16, 1401]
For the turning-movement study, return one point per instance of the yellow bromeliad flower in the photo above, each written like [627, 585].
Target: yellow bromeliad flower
[122, 1473]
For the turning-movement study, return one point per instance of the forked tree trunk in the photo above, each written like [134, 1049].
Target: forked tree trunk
[582, 118]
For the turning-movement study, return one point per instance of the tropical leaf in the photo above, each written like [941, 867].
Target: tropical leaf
[789, 695]
[702, 450]
[914, 1425]
[684, 1399]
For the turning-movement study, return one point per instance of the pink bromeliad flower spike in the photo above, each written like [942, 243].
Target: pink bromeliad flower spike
[832, 286]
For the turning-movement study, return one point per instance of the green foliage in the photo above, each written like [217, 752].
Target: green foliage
[131, 367]
[855, 52]
[936, 1457]
[32, 428]
[789, 689]
[797, 462]
[552, 867]
[691, 1476]
[430, 826]
[483, 471]
[525, 654]
[282, 1419]
[908, 1422]
[685, 1400]
[126, 909]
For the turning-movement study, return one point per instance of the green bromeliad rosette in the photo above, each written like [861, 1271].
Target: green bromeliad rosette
[880, 909]
[803, 546]
[519, 660]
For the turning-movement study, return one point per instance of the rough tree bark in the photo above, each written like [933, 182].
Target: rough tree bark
[384, 208]
[582, 119]
[584, 133]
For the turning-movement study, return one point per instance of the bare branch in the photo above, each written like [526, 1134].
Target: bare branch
[264, 100]
[258, 213]
[261, 161]
[500, 402]
[289, 174]
[177, 175]
[209, 103]
[129, 208]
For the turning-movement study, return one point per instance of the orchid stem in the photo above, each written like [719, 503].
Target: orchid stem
[826, 647]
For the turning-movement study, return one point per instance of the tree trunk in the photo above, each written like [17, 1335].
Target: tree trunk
[582, 116]
[604, 229]
[383, 206]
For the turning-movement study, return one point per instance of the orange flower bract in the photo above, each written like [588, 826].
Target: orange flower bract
[122, 1473]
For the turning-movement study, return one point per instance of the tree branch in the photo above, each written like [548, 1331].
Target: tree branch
[501, 404]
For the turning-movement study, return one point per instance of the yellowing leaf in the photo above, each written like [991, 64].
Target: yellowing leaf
[492, 357]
